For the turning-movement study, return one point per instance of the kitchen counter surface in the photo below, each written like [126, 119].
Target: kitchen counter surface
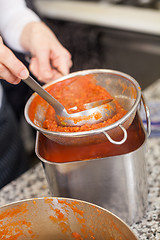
[102, 13]
[33, 184]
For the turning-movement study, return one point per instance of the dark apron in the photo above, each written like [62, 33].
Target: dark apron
[13, 158]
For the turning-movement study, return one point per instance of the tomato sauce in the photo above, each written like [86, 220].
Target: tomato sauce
[54, 152]
[72, 92]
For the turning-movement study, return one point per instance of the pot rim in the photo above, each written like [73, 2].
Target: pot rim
[94, 131]
[45, 161]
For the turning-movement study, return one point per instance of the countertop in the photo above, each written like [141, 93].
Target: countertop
[33, 184]
[102, 13]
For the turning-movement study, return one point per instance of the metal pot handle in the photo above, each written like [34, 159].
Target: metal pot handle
[118, 142]
[147, 115]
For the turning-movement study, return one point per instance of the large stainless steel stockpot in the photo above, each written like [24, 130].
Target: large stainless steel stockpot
[117, 182]
[60, 218]
[121, 86]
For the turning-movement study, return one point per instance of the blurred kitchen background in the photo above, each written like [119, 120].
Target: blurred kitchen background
[123, 35]
[117, 34]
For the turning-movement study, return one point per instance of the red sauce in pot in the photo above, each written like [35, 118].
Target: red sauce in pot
[54, 152]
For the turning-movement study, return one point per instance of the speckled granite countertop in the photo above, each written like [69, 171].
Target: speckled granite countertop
[33, 184]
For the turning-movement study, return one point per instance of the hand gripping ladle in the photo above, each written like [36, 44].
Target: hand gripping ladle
[96, 111]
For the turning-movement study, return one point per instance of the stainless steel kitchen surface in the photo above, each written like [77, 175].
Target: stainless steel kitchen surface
[108, 45]
[155, 4]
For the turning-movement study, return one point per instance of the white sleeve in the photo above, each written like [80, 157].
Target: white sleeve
[14, 15]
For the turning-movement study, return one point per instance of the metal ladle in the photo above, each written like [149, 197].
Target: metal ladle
[96, 112]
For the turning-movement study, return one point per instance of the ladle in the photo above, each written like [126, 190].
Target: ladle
[96, 113]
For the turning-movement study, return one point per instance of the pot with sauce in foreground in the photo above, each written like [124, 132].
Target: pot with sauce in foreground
[60, 218]
[77, 89]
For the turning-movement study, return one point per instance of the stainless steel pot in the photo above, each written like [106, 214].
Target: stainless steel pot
[60, 218]
[117, 183]
[121, 86]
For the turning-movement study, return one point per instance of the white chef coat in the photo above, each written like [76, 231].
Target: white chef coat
[14, 15]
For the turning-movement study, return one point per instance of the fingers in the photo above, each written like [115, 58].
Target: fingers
[44, 66]
[38, 71]
[48, 68]
[34, 68]
[8, 76]
[11, 69]
[62, 62]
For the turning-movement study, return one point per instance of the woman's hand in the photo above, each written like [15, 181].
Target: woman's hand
[50, 59]
[11, 69]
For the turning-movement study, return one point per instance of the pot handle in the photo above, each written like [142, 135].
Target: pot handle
[118, 142]
[148, 119]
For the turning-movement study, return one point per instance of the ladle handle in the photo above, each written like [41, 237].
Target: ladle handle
[58, 107]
